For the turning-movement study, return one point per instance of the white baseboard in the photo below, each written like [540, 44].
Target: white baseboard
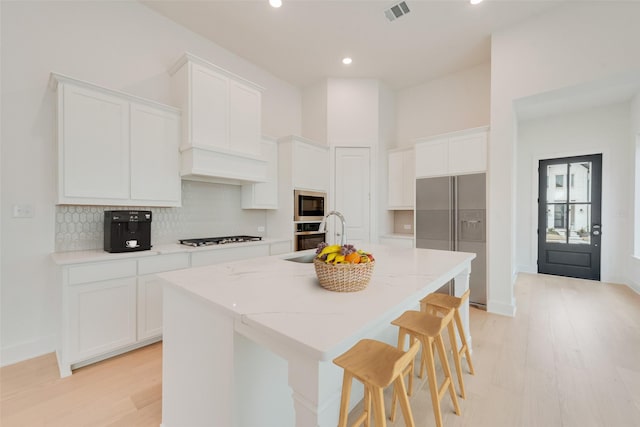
[634, 285]
[532, 269]
[27, 350]
[504, 309]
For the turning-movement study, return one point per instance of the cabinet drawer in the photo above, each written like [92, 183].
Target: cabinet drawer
[101, 271]
[160, 263]
[229, 254]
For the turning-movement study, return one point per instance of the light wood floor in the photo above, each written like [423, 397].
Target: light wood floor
[570, 357]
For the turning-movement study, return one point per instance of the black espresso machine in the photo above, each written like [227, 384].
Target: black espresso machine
[127, 231]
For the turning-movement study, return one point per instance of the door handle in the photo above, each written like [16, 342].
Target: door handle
[596, 229]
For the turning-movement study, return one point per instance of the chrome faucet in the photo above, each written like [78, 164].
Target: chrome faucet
[343, 236]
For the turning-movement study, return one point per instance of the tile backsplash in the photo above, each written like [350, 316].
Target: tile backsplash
[207, 210]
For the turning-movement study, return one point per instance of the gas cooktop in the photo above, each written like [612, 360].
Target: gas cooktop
[208, 241]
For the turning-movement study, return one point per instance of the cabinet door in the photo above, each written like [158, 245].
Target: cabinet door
[102, 317]
[468, 154]
[401, 180]
[432, 158]
[149, 307]
[396, 180]
[264, 195]
[155, 161]
[310, 167]
[93, 145]
[409, 178]
[208, 111]
[244, 119]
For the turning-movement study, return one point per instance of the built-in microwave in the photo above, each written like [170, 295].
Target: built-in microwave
[309, 205]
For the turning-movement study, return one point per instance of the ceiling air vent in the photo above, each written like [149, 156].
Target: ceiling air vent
[396, 11]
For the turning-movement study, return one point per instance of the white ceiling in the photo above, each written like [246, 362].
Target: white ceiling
[304, 41]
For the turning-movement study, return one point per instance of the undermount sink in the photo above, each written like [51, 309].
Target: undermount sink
[306, 258]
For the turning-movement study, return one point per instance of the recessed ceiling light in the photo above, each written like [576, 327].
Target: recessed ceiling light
[275, 3]
[475, 1]
[347, 60]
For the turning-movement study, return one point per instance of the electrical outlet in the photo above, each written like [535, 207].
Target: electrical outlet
[22, 211]
[407, 226]
[260, 229]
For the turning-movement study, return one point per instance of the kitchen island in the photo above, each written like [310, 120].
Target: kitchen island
[252, 342]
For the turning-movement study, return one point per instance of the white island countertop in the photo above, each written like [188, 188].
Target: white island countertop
[284, 299]
[279, 305]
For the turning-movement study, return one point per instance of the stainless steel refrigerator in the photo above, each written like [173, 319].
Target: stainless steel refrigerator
[451, 215]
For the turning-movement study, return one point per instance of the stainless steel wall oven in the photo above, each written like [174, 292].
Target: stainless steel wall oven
[307, 236]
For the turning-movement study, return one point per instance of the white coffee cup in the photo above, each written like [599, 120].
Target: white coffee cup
[132, 243]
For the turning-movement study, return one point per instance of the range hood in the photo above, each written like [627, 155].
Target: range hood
[221, 166]
[221, 123]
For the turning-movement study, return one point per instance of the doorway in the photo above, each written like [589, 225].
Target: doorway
[353, 192]
[569, 212]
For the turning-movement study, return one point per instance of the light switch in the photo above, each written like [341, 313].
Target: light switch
[22, 211]
[260, 229]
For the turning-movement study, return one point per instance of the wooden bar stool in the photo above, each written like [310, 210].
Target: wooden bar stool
[428, 329]
[376, 365]
[443, 303]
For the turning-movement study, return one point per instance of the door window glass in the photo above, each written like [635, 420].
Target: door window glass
[556, 183]
[580, 223]
[556, 223]
[581, 182]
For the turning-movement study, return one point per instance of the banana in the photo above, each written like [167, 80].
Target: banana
[329, 250]
[331, 257]
[338, 259]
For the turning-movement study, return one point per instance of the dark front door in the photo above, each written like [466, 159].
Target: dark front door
[569, 228]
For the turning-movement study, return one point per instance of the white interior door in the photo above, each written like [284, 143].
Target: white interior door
[353, 193]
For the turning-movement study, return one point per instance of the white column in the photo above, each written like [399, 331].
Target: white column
[461, 284]
[316, 388]
[197, 363]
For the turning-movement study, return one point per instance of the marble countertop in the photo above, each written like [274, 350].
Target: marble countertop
[95, 255]
[281, 301]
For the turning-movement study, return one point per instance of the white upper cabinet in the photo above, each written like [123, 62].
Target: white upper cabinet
[468, 153]
[155, 173]
[264, 195]
[114, 148]
[310, 164]
[457, 153]
[401, 179]
[222, 120]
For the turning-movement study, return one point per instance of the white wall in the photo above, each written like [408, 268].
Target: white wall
[314, 106]
[455, 102]
[352, 112]
[633, 275]
[120, 45]
[598, 130]
[576, 43]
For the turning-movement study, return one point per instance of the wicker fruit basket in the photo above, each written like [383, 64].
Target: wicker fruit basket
[343, 277]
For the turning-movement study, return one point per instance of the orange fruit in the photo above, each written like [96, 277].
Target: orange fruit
[353, 258]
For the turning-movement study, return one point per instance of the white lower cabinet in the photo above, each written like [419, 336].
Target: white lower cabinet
[150, 291]
[102, 317]
[149, 307]
[278, 248]
[114, 306]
